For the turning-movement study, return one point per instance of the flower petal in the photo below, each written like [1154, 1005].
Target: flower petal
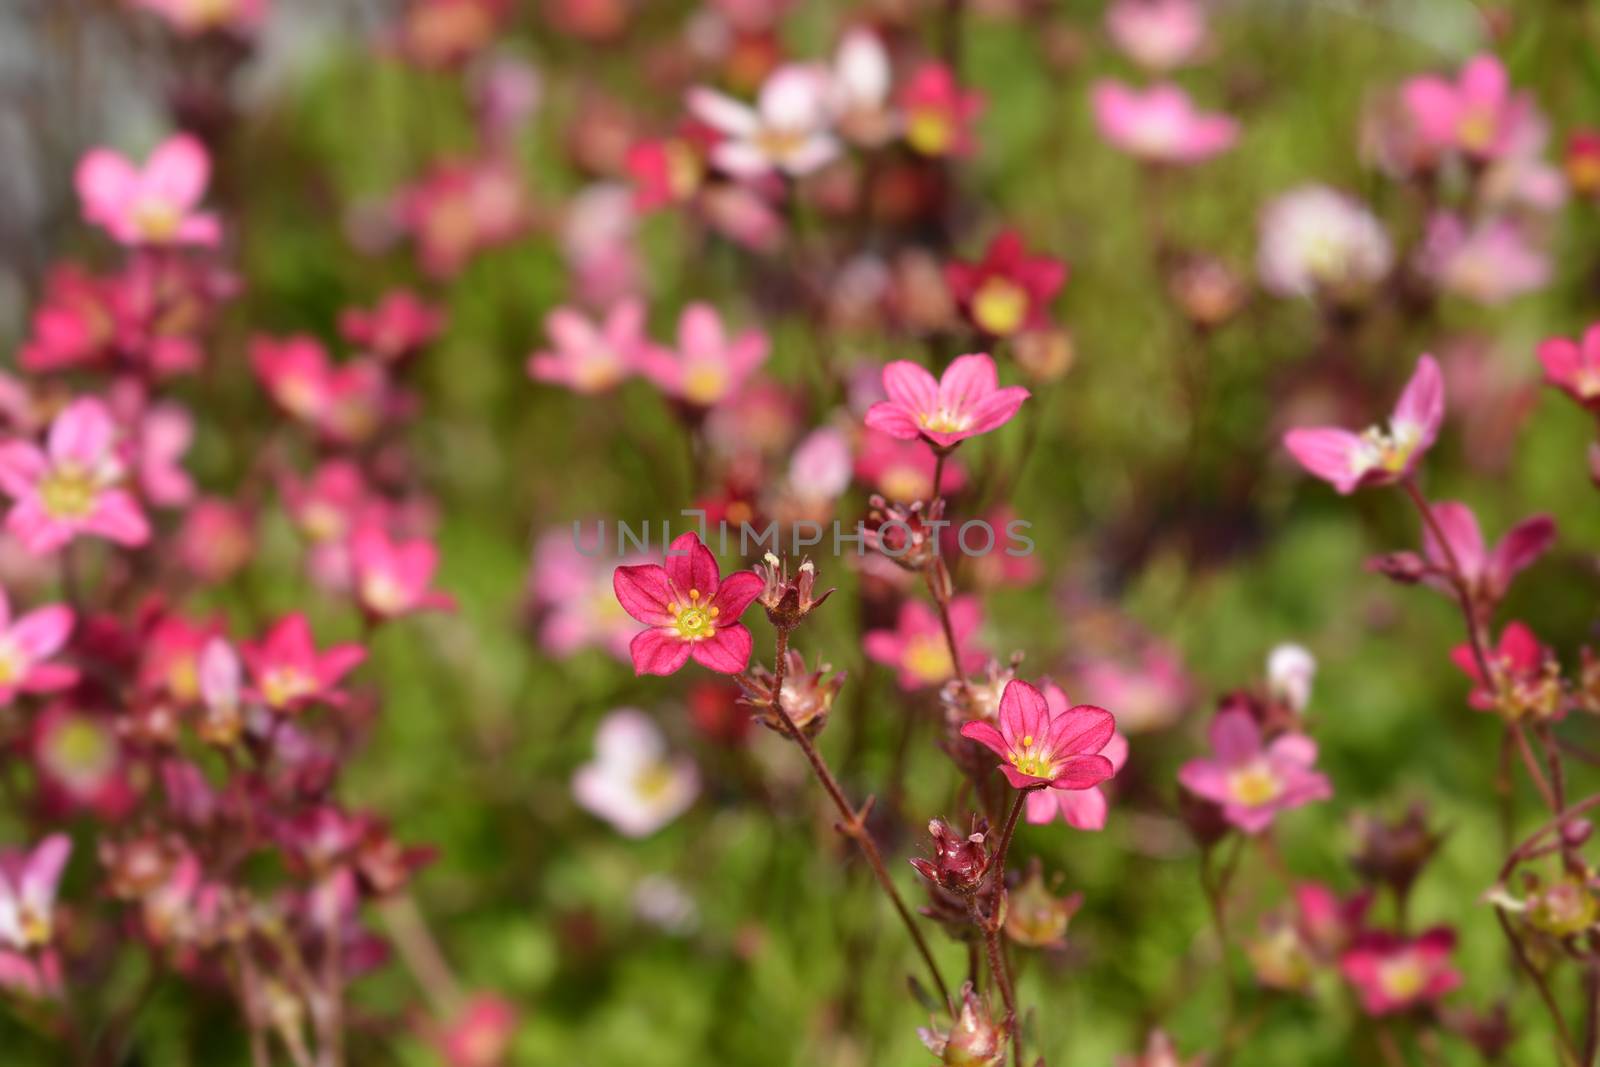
[735, 595]
[691, 567]
[644, 591]
[1082, 772]
[910, 387]
[1081, 730]
[658, 651]
[726, 651]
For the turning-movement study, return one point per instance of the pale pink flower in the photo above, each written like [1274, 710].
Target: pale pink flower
[1149, 692]
[1487, 572]
[858, 93]
[72, 486]
[1478, 114]
[574, 604]
[819, 470]
[917, 647]
[963, 402]
[708, 366]
[1392, 973]
[1489, 262]
[1377, 456]
[903, 470]
[154, 205]
[1158, 34]
[591, 357]
[1038, 749]
[164, 432]
[1250, 781]
[394, 578]
[1574, 366]
[787, 130]
[26, 644]
[1161, 124]
[1081, 809]
[633, 783]
[28, 883]
[194, 17]
[1316, 241]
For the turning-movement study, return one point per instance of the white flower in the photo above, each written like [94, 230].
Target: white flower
[1317, 240]
[632, 783]
[787, 130]
[858, 95]
[1290, 670]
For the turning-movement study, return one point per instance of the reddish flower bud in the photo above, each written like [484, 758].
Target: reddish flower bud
[959, 863]
[973, 1040]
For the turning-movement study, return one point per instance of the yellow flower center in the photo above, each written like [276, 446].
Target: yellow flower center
[11, 664]
[157, 220]
[778, 143]
[1402, 978]
[1477, 129]
[1035, 760]
[35, 926]
[68, 492]
[704, 384]
[1254, 785]
[654, 781]
[683, 169]
[944, 421]
[1389, 451]
[284, 685]
[930, 132]
[928, 658]
[999, 306]
[694, 621]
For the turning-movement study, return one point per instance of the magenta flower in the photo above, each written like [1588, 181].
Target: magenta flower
[290, 673]
[1488, 572]
[401, 323]
[393, 578]
[25, 645]
[965, 401]
[28, 892]
[917, 648]
[1081, 809]
[690, 610]
[1574, 366]
[72, 486]
[1008, 289]
[153, 205]
[1526, 679]
[1377, 457]
[1391, 973]
[1250, 781]
[708, 366]
[1038, 749]
[1161, 124]
[938, 113]
[590, 357]
[1477, 115]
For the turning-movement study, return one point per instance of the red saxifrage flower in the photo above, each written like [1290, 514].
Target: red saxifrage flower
[692, 613]
[1038, 749]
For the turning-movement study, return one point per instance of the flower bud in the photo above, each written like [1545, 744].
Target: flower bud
[788, 600]
[973, 1040]
[959, 863]
[1407, 568]
[807, 698]
[1036, 917]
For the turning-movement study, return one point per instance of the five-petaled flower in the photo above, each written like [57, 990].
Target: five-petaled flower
[965, 401]
[28, 892]
[25, 645]
[708, 366]
[1377, 456]
[1251, 781]
[153, 205]
[691, 611]
[1037, 749]
[393, 577]
[1573, 366]
[1081, 809]
[72, 486]
[1525, 679]
[1007, 290]
[1392, 973]
[786, 131]
[1478, 115]
[1161, 124]
[287, 670]
[591, 357]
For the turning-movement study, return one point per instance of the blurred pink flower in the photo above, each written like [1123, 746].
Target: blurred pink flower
[819, 469]
[938, 113]
[1349, 460]
[902, 470]
[462, 208]
[345, 402]
[574, 601]
[393, 578]
[1316, 241]
[81, 763]
[193, 17]
[216, 540]
[1574, 366]
[1392, 973]
[664, 171]
[1490, 262]
[787, 130]
[28, 884]
[72, 486]
[708, 366]
[400, 324]
[1149, 693]
[591, 357]
[287, 670]
[153, 205]
[632, 782]
[479, 1034]
[1250, 781]
[1008, 289]
[1488, 573]
[1041, 749]
[26, 643]
[917, 648]
[1157, 34]
[1477, 114]
[1526, 678]
[162, 438]
[965, 401]
[1161, 124]
[1081, 809]
[691, 611]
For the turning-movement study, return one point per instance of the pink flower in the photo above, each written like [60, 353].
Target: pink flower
[1488, 573]
[194, 17]
[1157, 34]
[1489, 263]
[1391, 973]
[25, 645]
[1082, 809]
[344, 402]
[1316, 241]
[400, 324]
[480, 1032]
[965, 401]
[591, 357]
[1574, 366]
[787, 130]
[938, 113]
[708, 366]
[1149, 688]
[155, 205]
[392, 577]
[1526, 678]
[1161, 124]
[664, 171]
[690, 610]
[1478, 115]
[632, 782]
[72, 486]
[1349, 460]
[216, 540]
[819, 470]
[573, 601]
[164, 432]
[1252, 782]
[1008, 289]
[81, 763]
[859, 90]
[903, 470]
[917, 648]
[462, 208]
[28, 885]
[1039, 749]
[290, 673]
